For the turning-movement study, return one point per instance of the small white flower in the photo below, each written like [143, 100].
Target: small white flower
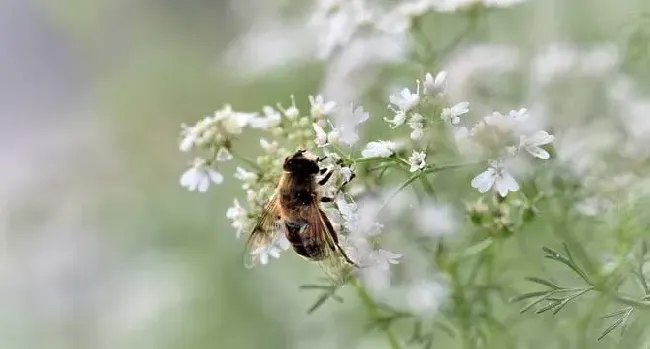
[238, 216]
[346, 174]
[292, 112]
[231, 121]
[452, 114]
[398, 120]
[406, 100]
[271, 118]
[417, 160]
[519, 115]
[496, 176]
[531, 144]
[190, 136]
[223, 155]
[417, 126]
[348, 124]
[199, 176]
[279, 243]
[437, 86]
[245, 176]
[321, 136]
[379, 149]
[269, 147]
[319, 107]
[383, 259]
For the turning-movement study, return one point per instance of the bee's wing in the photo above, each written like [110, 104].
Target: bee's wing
[320, 234]
[263, 233]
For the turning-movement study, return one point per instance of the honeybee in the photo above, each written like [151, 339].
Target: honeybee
[296, 212]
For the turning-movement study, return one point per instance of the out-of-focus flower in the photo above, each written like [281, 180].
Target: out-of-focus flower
[199, 176]
[531, 144]
[426, 297]
[269, 147]
[320, 108]
[406, 100]
[435, 86]
[417, 160]
[245, 176]
[238, 216]
[593, 206]
[348, 124]
[272, 118]
[495, 176]
[379, 149]
[436, 220]
[452, 114]
[232, 122]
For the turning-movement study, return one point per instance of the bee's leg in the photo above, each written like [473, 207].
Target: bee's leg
[326, 199]
[327, 177]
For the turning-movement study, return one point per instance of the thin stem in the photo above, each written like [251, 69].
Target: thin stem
[245, 159]
[451, 166]
[372, 308]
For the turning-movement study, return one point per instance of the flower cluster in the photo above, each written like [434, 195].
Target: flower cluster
[339, 21]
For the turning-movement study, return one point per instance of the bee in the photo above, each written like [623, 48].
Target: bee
[295, 210]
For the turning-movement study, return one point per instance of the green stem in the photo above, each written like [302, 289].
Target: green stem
[245, 159]
[372, 308]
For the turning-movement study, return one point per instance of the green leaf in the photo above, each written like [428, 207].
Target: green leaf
[542, 282]
[611, 328]
[528, 295]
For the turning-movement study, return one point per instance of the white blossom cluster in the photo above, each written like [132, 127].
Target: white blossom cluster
[338, 21]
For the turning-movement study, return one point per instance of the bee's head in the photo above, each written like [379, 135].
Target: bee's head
[301, 162]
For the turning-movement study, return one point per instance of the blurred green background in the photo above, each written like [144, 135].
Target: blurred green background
[103, 248]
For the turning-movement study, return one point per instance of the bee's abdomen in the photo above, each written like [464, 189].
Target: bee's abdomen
[304, 247]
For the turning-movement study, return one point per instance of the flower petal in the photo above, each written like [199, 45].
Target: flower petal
[506, 183]
[485, 180]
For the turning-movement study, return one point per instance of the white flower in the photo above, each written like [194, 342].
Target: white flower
[223, 155]
[245, 176]
[321, 136]
[379, 149]
[406, 100]
[190, 136]
[383, 259]
[348, 124]
[426, 297]
[319, 107]
[417, 126]
[269, 147]
[452, 114]
[531, 144]
[496, 176]
[434, 87]
[417, 160]
[238, 216]
[436, 220]
[279, 243]
[199, 176]
[231, 121]
[292, 112]
[271, 118]
[398, 120]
